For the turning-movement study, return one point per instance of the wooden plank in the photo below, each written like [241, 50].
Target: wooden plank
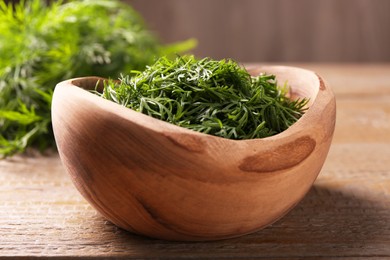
[275, 30]
[363, 120]
[346, 214]
[354, 80]
[363, 100]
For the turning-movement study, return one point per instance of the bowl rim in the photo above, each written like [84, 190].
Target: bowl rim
[80, 86]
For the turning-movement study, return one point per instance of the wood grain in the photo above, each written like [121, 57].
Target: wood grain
[346, 214]
[275, 30]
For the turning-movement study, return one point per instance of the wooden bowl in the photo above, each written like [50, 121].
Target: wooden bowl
[163, 181]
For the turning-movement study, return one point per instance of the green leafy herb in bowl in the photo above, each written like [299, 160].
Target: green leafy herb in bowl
[210, 96]
[43, 44]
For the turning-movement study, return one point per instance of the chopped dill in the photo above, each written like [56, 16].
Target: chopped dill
[209, 96]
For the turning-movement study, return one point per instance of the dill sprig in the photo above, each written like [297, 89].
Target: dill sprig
[209, 96]
[42, 44]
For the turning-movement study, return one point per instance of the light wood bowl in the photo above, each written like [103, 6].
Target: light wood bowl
[163, 181]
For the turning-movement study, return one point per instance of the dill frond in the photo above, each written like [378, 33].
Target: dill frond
[215, 97]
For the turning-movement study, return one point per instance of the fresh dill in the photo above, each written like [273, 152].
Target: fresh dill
[42, 44]
[214, 97]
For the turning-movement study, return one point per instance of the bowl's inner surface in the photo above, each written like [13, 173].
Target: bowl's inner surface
[90, 83]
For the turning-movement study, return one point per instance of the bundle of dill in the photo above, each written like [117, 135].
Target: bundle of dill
[43, 44]
[214, 97]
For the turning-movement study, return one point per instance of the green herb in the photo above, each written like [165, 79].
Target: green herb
[214, 97]
[42, 44]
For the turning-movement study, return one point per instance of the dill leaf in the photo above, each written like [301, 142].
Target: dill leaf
[214, 97]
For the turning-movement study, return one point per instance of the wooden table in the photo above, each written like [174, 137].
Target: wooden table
[346, 214]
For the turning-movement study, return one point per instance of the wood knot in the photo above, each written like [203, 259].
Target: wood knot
[280, 158]
[188, 142]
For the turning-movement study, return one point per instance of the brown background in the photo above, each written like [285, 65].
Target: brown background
[276, 30]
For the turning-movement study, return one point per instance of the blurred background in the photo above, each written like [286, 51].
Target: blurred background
[275, 30]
